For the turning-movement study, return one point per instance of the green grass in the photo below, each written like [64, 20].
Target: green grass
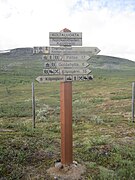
[103, 133]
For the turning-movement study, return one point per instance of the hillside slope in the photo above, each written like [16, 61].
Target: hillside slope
[109, 62]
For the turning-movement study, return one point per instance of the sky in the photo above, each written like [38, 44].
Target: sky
[106, 24]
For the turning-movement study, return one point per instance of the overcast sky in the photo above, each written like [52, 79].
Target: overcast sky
[106, 24]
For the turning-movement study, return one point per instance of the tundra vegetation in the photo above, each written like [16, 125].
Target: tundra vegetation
[103, 131]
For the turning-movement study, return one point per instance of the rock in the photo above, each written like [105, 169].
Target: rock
[58, 165]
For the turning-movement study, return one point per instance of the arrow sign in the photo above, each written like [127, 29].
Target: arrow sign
[74, 50]
[63, 64]
[69, 57]
[43, 79]
[67, 50]
[66, 71]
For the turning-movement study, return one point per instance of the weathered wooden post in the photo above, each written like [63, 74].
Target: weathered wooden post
[66, 122]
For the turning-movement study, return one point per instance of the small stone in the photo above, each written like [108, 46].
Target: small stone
[58, 165]
[75, 162]
[55, 177]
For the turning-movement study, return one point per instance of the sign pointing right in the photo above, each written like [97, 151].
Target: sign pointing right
[91, 51]
[63, 57]
[64, 64]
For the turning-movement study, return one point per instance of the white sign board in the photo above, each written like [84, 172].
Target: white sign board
[63, 64]
[69, 35]
[67, 58]
[59, 78]
[43, 79]
[66, 71]
[66, 50]
[72, 50]
[65, 38]
[65, 42]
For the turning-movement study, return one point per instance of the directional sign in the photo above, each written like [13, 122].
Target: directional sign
[59, 78]
[66, 58]
[43, 79]
[66, 71]
[63, 64]
[65, 42]
[65, 38]
[66, 50]
[66, 63]
[74, 50]
[75, 71]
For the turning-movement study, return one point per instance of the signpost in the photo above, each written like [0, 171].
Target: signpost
[66, 64]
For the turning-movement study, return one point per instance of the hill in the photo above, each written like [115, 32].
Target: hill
[110, 62]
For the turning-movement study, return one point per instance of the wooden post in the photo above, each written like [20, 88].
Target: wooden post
[66, 122]
[133, 99]
[33, 106]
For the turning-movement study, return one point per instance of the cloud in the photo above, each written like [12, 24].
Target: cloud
[109, 25]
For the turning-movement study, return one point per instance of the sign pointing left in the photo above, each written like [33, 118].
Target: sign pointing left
[43, 79]
[61, 78]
